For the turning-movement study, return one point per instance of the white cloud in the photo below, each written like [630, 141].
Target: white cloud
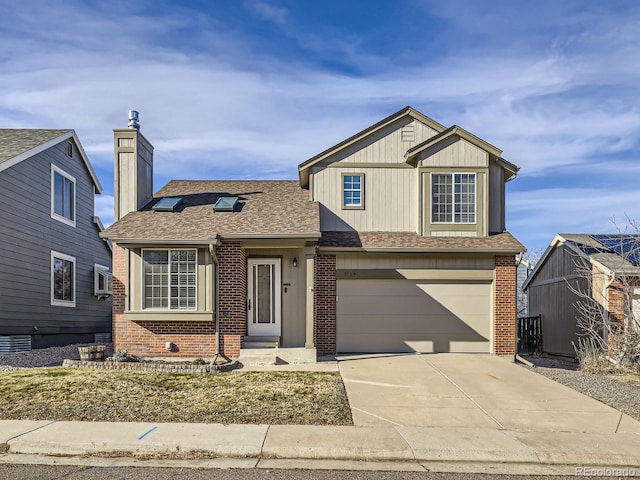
[213, 106]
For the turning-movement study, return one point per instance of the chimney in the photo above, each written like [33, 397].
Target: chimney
[133, 168]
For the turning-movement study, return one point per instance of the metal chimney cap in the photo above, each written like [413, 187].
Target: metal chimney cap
[134, 121]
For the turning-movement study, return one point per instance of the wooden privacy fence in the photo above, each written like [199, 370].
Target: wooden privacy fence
[529, 334]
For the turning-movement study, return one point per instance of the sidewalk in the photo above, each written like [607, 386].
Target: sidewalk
[446, 449]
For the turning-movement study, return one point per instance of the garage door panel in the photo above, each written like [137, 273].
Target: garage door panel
[405, 316]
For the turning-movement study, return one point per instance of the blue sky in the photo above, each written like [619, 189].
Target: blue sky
[249, 89]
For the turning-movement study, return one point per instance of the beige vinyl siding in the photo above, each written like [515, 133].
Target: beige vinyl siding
[294, 299]
[384, 146]
[390, 201]
[27, 237]
[551, 297]
[454, 152]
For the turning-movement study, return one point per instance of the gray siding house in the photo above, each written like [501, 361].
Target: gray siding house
[54, 267]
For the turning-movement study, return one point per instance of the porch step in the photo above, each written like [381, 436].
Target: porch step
[256, 342]
[258, 356]
[276, 356]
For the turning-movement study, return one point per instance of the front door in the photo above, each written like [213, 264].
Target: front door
[264, 299]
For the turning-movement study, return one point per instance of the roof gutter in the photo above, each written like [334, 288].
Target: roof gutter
[262, 236]
[125, 242]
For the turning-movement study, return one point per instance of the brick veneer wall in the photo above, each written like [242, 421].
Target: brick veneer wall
[324, 304]
[505, 305]
[233, 296]
[191, 339]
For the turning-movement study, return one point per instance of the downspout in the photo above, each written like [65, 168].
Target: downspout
[216, 300]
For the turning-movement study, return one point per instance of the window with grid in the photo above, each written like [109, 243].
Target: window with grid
[170, 279]
[352, 190]
[453, 198]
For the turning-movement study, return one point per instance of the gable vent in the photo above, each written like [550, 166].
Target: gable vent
[407, 133]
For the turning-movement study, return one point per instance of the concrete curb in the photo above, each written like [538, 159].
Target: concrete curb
[285, 445]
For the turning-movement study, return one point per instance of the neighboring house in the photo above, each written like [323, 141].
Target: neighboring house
[524, 270]
[54, 267]
[599, 266]
[393, 240]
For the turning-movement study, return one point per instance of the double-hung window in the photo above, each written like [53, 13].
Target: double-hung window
[63, 196]
[453, 198]
[353, 191]
[170, 279]
[63, 280]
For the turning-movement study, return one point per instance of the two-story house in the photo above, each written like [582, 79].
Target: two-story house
[393, 240]
[54, 267]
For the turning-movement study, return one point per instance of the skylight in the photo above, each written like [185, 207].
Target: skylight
[225, 204]
[167, 204]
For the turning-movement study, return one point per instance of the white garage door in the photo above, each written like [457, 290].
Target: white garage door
[409, 316]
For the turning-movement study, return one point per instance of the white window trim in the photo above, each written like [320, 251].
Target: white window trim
[54, 215]
[63, 303]
[143, 285]
[97, 271]
[453, 216]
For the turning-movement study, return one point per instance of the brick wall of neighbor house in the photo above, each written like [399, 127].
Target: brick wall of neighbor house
[505, 305]
[615, 295]
[324, 305]
[233, 296]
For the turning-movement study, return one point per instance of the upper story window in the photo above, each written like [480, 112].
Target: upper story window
[69, 148]
[453, 198]
[63, 280]
[63, 196]
[170, 279]
[353, 191]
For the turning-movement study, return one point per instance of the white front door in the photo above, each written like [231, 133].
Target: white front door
[264, 299]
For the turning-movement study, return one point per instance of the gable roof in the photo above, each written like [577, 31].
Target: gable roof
[303, 168]
[413, 152]
[586, 246]
[18, 144]
[266, 209]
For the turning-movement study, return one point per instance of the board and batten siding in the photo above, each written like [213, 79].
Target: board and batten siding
[551, 297]
[390, 189]
[28, 234]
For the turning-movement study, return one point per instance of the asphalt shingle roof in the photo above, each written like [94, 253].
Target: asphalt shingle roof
[503, 242]
[14, 141]
[268, 208]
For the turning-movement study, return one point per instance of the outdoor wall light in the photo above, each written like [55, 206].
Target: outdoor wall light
[295, 261]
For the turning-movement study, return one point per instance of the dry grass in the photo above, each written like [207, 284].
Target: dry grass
[597, 364]
[280, 398]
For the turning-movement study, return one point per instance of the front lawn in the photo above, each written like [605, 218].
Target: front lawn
[276, 398]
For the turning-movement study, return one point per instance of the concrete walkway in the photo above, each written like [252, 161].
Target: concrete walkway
[418, 413]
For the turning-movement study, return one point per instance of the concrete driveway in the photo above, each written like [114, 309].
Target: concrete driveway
[459, 390]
